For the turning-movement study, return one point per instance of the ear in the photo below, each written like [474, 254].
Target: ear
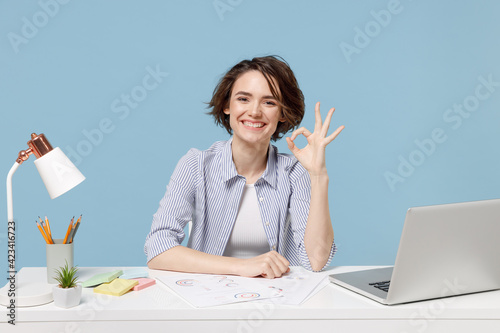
[226, 111]
[282, 119]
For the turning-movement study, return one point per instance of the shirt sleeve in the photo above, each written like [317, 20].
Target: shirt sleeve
[176, 208]
[300, 201]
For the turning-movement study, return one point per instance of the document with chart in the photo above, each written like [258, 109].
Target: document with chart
[203, 290]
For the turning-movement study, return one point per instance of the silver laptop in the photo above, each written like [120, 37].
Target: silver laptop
[445, 250]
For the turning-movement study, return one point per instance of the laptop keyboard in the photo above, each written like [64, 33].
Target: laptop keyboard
[383, 285]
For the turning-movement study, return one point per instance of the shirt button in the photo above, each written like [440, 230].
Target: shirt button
[274, 247]
[267, 223]
[261, 199]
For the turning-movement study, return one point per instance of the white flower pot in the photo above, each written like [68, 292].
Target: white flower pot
[67, 297]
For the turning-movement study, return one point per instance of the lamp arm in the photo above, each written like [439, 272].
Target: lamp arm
[10, 206]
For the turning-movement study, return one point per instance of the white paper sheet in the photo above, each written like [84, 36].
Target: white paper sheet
[203, 290]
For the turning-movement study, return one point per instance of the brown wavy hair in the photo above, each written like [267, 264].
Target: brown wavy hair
[291, 99]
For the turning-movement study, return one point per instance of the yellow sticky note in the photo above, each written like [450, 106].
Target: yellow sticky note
[117, 287]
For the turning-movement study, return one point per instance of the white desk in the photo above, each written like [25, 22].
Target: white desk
[333, 309]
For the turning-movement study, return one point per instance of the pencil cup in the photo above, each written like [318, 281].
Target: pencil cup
[57, 256]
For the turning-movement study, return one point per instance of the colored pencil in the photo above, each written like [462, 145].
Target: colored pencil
[41, 231]
[76, 228]
[48, 225]
[69, 230]
[49, 234]
[44, 228]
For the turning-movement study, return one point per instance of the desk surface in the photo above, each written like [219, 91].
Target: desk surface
[333, 307]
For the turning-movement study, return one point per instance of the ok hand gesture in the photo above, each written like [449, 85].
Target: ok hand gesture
[312, 156]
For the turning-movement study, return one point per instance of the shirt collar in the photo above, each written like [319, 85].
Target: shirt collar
[228, 169]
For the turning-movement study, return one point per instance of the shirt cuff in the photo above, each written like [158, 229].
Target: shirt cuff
[159, 242]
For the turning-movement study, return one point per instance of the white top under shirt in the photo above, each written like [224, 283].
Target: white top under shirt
[248, 238]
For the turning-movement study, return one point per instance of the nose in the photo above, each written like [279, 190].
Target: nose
[255, 110]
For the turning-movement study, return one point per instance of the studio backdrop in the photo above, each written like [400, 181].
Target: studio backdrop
[122, 88]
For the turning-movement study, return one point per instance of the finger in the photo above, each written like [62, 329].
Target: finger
[273, 266]
[268, 271]
[267, 276]
[276, 270]
[304, 131]
[277, 267]
[326, 124]
[332, 136]
[318, 123]
[282, 263]
[285, 268]
[293, 148]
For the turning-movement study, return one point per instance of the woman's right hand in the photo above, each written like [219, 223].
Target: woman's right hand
[269, 265]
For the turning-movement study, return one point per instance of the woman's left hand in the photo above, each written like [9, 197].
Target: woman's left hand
[312, 156]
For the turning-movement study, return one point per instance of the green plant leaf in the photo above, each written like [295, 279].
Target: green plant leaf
[66, 276]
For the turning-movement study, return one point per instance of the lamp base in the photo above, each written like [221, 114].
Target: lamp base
[27, 294]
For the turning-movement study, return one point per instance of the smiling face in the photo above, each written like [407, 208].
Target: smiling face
[253, 112]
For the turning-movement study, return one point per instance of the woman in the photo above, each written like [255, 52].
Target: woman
[254, 211]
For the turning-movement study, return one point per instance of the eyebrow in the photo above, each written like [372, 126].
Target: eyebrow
[249, 94]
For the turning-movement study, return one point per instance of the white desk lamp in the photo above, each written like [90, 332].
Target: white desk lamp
[59, 175]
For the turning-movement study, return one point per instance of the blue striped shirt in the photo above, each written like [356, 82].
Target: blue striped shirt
[206, 189]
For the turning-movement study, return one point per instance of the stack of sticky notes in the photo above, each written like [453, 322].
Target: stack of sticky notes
[117, 287]
[102, 278]
[117, 283]
[143, 283]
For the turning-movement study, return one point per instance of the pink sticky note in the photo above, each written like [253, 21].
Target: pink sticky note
[143, 283]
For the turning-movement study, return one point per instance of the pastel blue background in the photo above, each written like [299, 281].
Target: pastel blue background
[64, 79]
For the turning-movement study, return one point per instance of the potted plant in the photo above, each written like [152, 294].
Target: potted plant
[67, 293]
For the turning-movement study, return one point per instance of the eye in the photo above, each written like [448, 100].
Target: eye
[270, 103]
[242, 99]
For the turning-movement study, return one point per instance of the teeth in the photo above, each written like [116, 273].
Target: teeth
[256, 125]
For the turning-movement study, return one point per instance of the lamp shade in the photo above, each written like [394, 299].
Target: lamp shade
[58, 173]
